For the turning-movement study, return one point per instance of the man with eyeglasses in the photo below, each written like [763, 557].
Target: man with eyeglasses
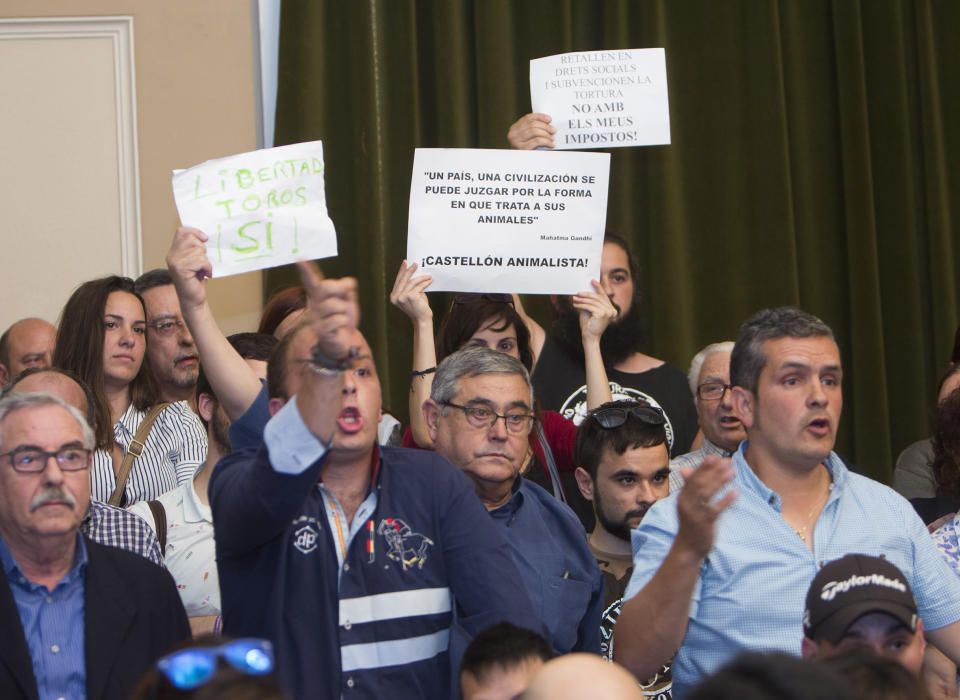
[77, 619]
[103, 523]
[722, 430]
[171, 352]
[479, 416]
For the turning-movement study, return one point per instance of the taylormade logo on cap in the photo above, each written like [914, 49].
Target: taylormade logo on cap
[832, 588]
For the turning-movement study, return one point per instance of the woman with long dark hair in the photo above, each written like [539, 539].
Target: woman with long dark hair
[102, 338]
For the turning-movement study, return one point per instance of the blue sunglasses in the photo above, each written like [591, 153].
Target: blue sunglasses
[190, 668]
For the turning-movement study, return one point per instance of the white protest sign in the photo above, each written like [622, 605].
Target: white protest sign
[259, 209]
[508, 221]
[603, 99]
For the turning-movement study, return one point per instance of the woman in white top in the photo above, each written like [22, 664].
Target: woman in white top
[102, 338]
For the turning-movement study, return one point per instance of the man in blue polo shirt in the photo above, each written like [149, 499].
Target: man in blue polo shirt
[724, 565]
[354, 561]
[480, 414]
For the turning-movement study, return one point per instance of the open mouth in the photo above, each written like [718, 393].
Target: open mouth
[349, 420]
[819, 426]
[730, 422]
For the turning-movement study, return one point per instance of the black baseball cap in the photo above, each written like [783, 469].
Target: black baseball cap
[849, 588]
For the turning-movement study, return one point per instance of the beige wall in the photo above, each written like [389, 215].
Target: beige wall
[194, 70]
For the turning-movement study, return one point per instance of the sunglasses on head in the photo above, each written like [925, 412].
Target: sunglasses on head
[610, 417]
[190, 668]
[472, 298]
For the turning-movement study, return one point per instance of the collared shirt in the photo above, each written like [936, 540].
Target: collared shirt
[116, 527]
[53, 626]
[346, 530]
[694, 460]
[190, 550]
[947, 540]
[561, 575]
[293, 448]
[174, 448]
[752, 585]
[379, 624]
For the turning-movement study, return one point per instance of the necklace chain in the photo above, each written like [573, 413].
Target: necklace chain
[802, 531]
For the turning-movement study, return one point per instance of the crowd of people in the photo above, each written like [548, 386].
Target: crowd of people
[186, 514]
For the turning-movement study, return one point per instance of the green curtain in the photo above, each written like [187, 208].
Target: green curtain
[810, 165]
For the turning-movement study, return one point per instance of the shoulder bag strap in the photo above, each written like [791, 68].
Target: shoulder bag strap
[551, 464]
[160, 523]
[134, 451]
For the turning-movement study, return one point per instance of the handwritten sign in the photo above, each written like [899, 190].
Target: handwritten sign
[603, 99]
[508, 221]
[259, 209]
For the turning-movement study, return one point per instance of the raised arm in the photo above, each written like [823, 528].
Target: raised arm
[537, 334]
[410, 296]
[653, 623]
[333, 315]
[531, 131]
[596, 313]
[232, 380]
[256, 491]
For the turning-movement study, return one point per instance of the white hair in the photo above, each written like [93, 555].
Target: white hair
[17, 401]
[693, 376]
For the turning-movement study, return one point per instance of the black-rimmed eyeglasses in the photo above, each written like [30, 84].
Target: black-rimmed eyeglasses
[485, 417]
[31, 460]
[712, 391]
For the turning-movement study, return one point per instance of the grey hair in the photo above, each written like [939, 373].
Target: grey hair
[16, 401]
[472, 361]
[696, 364]
[748, 359]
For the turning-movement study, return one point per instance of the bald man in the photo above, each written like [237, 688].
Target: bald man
[58, 382]
[582, 676]
[27, 343]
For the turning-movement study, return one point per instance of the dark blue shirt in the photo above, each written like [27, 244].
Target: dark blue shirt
[53, 626]
[549, 547]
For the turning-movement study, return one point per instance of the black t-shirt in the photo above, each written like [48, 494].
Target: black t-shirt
[616, 575]
[559, 383]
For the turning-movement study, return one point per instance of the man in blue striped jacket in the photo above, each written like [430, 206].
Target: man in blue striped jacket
[355, 561]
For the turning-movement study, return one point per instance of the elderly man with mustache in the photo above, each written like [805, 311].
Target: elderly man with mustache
[77, 619]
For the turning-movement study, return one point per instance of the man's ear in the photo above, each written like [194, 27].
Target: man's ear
[744, 404]
[808, 648]
[275, 404]
[4, 375]
[431, 415]
[206, 405]
[584, 482]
